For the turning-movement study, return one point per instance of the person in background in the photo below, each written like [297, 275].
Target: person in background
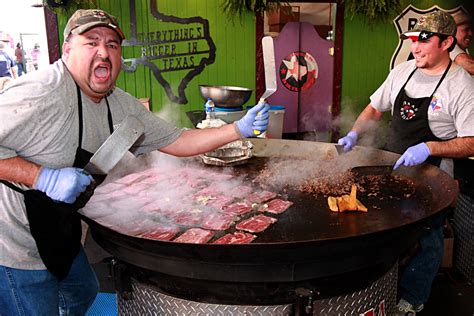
[460, 53]
[35, 55]
[7, 64]
[52, 121]
[431, 100]
[19, 59]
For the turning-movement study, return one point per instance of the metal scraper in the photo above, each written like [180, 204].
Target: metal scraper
[115, 146]
[270, 71]
[340, 149]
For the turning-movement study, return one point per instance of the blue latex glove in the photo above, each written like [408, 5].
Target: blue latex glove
[413, 156]
[255, 119]
[64, 184]
[348, 141]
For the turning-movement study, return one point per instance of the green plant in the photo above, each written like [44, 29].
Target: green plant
[372, 10]
[238, 8]
[68, 7]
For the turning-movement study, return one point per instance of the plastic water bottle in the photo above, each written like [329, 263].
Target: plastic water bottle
[210, 110]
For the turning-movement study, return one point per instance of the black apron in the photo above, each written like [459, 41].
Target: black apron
[409, 125]
[56, 226]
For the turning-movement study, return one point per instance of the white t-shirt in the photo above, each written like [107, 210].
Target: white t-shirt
[451, 113]
[456, 51]
[39, 122]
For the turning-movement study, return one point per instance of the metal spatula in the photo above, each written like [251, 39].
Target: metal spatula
[269, 66]
[373, 170]
[270, 71]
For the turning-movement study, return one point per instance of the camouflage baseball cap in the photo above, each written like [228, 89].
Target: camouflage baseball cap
[84, 20]
[436, 23]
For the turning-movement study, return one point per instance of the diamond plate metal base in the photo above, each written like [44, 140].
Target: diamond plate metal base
[147, 300]
[356, 303]
[464, 236]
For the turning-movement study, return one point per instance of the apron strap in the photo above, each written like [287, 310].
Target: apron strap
[109, 117]
[79, 107]
[408, 79]
[439, 82]
[12, 186]
[442, 78]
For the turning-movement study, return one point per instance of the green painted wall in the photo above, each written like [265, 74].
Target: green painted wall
[367, 51]
[234, 62]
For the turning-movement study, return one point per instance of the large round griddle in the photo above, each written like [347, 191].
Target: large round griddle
[308, 241]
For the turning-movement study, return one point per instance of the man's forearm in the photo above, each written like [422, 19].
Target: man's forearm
[197, 141]
[19, 170]
[460, 147]
[367, 119]
[467, 62]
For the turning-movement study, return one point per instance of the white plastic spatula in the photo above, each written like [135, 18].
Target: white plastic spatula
[270, 71]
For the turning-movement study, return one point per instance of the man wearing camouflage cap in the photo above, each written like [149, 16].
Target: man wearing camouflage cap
[52, 121]
[431, 100]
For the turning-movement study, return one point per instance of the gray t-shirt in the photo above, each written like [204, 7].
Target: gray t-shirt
[451, 112]
[40, 123]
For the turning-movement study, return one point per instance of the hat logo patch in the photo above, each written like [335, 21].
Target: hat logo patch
[408, 111]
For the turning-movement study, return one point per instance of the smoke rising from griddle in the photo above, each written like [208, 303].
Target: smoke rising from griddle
[292, 172]
[375, 134]
[157, 190]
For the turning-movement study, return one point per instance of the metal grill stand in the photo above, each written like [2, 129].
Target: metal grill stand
[464, 236]
[379, 297]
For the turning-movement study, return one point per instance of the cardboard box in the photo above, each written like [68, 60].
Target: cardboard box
[284, 15]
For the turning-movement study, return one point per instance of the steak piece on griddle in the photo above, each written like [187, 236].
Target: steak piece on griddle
[238, 208]
[195, 236]
[218, 221]
[165, 232]
[236, 238]
[276, 206]
[260, 197]
[187, 217]
[219, 202]
[256, 224]
[241, 191]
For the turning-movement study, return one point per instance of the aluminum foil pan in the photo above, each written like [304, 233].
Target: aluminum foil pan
[232, 154]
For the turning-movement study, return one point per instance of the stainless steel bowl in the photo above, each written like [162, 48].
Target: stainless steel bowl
[226, 96]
